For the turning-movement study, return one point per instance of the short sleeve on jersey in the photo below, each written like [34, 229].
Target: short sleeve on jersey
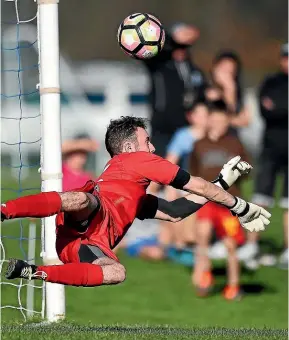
[152, 167]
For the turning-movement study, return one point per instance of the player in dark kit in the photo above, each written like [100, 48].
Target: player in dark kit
[92, 220]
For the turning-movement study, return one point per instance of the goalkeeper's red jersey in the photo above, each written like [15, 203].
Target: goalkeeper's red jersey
[125, 179]
[121, 189]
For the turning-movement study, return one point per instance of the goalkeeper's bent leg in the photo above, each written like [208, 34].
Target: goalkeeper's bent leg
[73, 274]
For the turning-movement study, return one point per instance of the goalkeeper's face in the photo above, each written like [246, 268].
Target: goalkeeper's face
[143, 142]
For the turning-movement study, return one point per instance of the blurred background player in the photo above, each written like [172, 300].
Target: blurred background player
[175, 83]
[273, 103]
[75, 154]
[218, 146]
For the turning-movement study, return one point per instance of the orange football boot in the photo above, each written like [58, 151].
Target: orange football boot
[206, 284]
[232, 293]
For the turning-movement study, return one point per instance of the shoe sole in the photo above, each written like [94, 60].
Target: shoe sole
[10, 269]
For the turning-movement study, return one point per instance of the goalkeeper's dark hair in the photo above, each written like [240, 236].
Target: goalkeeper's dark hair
[121, 130]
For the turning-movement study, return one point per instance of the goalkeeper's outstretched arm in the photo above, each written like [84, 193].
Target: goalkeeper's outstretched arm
[47, 204]
[201, 192]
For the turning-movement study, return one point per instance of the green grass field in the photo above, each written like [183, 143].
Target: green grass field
[156, 301]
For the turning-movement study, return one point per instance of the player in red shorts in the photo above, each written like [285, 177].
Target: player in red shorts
[92, 220]
[209, 153]
[213, 217]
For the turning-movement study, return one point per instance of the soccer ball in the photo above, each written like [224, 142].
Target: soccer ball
[141, 36]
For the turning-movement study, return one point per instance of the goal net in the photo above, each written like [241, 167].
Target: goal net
[30, 149]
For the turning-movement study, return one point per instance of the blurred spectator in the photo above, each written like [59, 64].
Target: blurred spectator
[208, 156]
[178, 152]
[175, 83]
[182, 143]
[226, 83]
[75, 154]
[273, 102]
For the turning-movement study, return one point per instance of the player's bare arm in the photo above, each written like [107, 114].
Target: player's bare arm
[210, 191]
[215, 191]
[251, 216]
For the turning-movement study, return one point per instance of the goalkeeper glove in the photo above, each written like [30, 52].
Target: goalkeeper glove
[231, 171]
[251, 216]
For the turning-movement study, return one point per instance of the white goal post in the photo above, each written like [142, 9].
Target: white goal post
[51, 160]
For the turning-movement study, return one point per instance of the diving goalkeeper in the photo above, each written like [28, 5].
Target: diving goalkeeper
[92, 220]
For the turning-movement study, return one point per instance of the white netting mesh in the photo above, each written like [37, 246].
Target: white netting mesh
[20, 142]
